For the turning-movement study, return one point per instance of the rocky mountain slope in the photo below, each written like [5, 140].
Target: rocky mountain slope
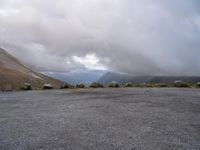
[13, 74]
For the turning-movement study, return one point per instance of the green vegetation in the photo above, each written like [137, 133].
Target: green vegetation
[80, 86]
[178, 84]
[96, 85]
[114, 85]
[66, 86]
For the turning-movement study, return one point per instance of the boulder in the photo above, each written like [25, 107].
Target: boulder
[198, 84]
[180, 83]
[128, 84]
[27, 87]
[113, 84]
[47, 86]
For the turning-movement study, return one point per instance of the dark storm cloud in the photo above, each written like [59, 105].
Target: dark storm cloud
[133, 36]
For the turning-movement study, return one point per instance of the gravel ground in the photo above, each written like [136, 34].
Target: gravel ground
[101, 119]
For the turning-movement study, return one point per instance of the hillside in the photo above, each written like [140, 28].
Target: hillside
[13, 74]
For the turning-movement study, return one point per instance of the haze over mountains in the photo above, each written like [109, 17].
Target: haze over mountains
[13, 74]
[77, 76]
[124, 78]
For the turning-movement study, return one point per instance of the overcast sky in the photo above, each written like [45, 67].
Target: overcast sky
[160, 37]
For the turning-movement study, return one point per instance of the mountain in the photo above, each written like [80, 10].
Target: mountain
[171, 79]
[124, 78]
[77, 76]
[13, 74]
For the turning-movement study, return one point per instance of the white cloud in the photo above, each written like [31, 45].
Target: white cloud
[90, 61]
[8, 12]
[142, 36]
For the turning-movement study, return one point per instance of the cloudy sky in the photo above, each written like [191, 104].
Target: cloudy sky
[160, 37]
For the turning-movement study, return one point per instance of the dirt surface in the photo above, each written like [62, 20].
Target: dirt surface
[101, 119]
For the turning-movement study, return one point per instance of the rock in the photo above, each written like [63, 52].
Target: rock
[96, 85]
[180, 83]
[47, 86]
[27, 86]
[114, 84]
[198, 84]
[128, 84]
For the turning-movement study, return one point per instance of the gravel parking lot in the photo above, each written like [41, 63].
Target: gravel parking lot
[101, 119]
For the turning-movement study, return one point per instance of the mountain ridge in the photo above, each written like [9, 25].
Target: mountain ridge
[124, 78]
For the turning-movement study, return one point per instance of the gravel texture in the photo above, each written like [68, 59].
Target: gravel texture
[101, 119]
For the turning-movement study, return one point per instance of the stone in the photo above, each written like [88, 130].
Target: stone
[180, 83]
[47, 86]
[114, 84]
[27, 86]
